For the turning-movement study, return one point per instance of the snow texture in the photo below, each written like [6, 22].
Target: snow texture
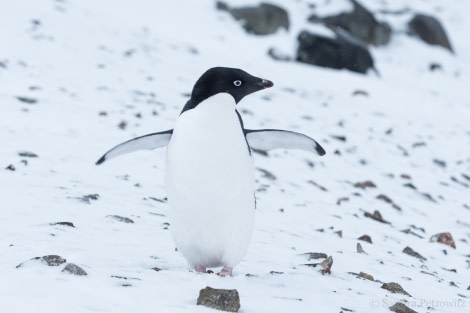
[78, 77]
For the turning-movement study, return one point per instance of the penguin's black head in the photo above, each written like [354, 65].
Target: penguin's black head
[233, 81]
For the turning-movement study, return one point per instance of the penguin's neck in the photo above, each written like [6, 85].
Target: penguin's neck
[215, 111]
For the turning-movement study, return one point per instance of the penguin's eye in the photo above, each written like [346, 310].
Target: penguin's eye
[237, 83]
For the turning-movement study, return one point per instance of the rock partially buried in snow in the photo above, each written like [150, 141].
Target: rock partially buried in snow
[430, 30]
[342, 52]
[74, 269]
[401, 308]
[444, 238]
[395, 288]
[413, 253]
[263, 19]
[49, 260]
[219, 299]
[360, 23]
[121, 219]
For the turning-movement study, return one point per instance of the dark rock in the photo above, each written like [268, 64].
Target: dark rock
[87, 198]
[401, 308]
[360, 92]
[325, 265]
[121, 219]
[366, 276]
[342, 52]
[394, 288]
[359, 249]
[444, 238]
[267, 174]
[360, 23]
[317, 185]
[263, 19]
[365, 238]
[27, 100]
[69, 224]
[413, 253]
[156, 269]
[49, 260]
[278, 55]
[388, 200]
[219, 299]
[434, 66]
[315, 255]
[365, 184]
[343, 199]
[74, 270]
[430, 30]
[122, 125]
[376, 216]
[440, 163]
[27, 154]
[10, 167]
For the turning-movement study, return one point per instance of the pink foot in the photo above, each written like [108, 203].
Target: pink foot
[200, 269]
[226, 271]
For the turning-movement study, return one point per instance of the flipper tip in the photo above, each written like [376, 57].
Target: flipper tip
[320, 150]
[101, 160]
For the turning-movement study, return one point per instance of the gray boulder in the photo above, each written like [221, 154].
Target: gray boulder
[430, 30]
[360, 23]
[341, 52]
[263, 19]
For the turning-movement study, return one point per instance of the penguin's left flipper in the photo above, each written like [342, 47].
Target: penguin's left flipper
[268, 139]
[147, 142]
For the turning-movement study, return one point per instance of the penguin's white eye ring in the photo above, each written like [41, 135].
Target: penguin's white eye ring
[237, 83]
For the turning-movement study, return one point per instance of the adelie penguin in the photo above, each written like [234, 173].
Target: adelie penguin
[209, 172]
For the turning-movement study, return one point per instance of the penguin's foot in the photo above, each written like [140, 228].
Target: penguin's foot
[226, 271]
[200, 269]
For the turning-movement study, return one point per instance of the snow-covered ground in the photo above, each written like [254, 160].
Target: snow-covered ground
[101, 72]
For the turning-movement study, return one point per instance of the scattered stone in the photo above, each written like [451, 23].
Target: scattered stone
[440, 163]
[405, 176]
[365, 238]
[325, 265]
[267, 174]
[388, 200]
[10, 167]
[366, 276]
[219, 299]
[434, 66]
[359, 249]
[27, 154]
[125, 278]
[69, 224]
[278, 55]
[413, 253]
[341, 52]
[430, 30]
[263, 19]
[444, 238]
[27, 100]
[276, 273]
[376, 216]
[122, 125]
[260, 152]
[409, 231]
[467, 177]
[394, 288]
[360, 92]
[87, 198]
[49, 260]
[74, 269]
[156, 269]
[343, 199]
[338, 137]
[317, 185]
[103, 113]
[315, 255]
[365, 184]
[339, 233]
[360, 23]
[401, 308]
[121, 219]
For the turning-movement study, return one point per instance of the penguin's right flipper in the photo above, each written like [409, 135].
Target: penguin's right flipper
[147, 142]
[268, 139]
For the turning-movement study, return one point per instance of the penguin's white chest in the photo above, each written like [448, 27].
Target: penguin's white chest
[210, 184]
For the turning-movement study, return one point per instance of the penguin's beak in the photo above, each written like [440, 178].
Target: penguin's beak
[265, 83]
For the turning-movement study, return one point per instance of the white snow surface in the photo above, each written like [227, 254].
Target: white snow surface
[93, 65]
